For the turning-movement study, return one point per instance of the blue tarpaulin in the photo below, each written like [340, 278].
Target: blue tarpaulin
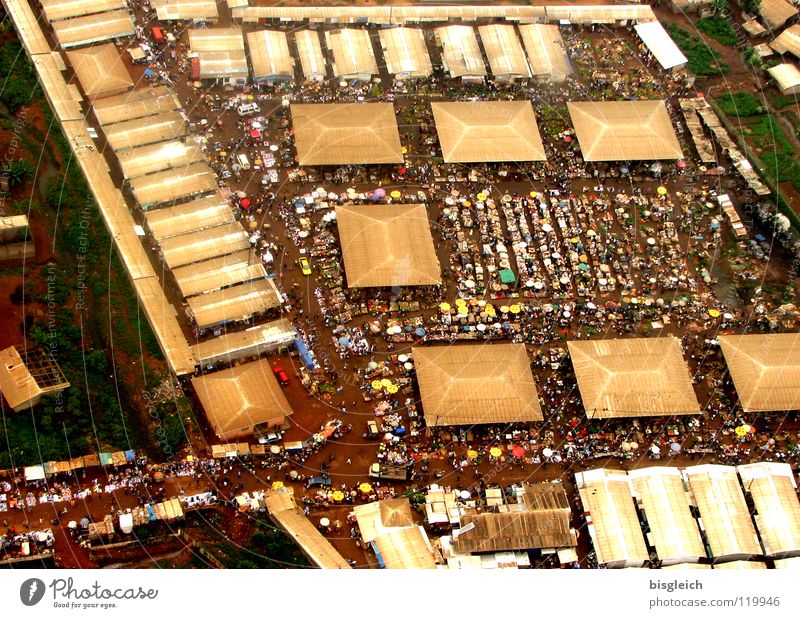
[305, 355]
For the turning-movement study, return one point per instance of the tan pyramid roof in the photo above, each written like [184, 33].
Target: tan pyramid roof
[387, 245]
[476, 383]
[484, 131]
[100, 70]
[236, 399]
[633, 377]
[765, 370]
[624, 130]
[346, 133]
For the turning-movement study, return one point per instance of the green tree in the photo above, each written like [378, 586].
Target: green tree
[19, 172]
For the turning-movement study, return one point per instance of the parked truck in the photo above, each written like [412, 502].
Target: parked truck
[389, 472]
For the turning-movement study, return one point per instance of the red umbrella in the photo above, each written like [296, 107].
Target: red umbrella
[401, 171]
[245, 203]
[255, 134]
[518, 451]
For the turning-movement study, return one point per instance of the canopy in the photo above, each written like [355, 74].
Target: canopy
[787, 76]
[346, 133]
[175, 154]
[190, 217]
[633, 377]
[467, 384]
[788, 41]
[376, 518]
[254, 341]
[461, 54]
[481, 131]
[765, 370]
[405, 548]
[665, 503]
[63, 9]
[236, 303]
[504, 51]
[93, 28]
[405, 52]
[217, 273]
[716, 492]
[174, 184]
[773, 489]
[237, 399]
[387, 245]
[135, 104]
[221, 52]
[547, 55]
[353, 57]
[100, 70]
[615, 529]
[624, 130]
[173, 10]
[309, 52]
[148, 130]
[659, 43]
[203, 245]
[269, 55]
[776, 12]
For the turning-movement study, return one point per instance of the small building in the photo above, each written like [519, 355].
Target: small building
[217, 273]
[221, 54]
[135, 104]
[353, 57]
[269, 55]
[386, 245]
[787, 78]
[476, 384]
[234, 304]
[174, 184]
[146, 130]
[254, 341]
[25, 378]
[192, 216]
[242, 400]
[776, 13]
[203, 244]
[55, 10]
[100, 70]
[788, 41]
[16, 242]
[172, 155]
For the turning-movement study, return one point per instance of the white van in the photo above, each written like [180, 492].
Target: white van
[245, 109]
[243, 161]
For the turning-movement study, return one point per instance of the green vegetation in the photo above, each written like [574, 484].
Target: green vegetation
[19, 86]
[750, 6]
[19, 172]
[718, 28]
[779, 101]
[740, 105]
[702, 60]
[269, 548]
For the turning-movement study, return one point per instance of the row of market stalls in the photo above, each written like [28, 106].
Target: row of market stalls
[698, 515]
[622, 14]
[51, 468]
[535, 50]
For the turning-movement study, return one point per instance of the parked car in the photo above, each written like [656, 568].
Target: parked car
[305, 267]
[319, 481]
[281, 375]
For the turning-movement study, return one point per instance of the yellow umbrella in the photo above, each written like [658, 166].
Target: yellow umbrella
[472, 454]
[277, 485]
[392, 389]
[495, 451]
[460, 302]
[574, 240]
[490, 311]
[662, 190]
[365, 488]
[714, 313]
[532, 193]
[386, 382]
[515, 308]
[405, 150]
[395, 194]
[504, 309]
[741, 431]
[482, 197]
[338, 496]
[445, 307]
[376, 385]
[467, 203]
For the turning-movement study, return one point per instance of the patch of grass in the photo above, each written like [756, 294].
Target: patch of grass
[702, 60]
[718, 28]
[779, 101]
[740, 105]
